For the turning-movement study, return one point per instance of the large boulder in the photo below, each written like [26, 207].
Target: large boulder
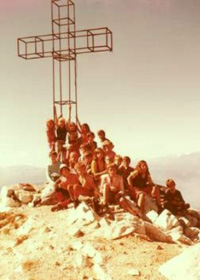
[8, 198]
[156, 234]
[24, 196]
[166, 220]
[184, 266]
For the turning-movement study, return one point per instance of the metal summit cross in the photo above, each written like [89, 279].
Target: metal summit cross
[63, 45]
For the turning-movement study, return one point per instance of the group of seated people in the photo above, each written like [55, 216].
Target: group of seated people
[82, 169]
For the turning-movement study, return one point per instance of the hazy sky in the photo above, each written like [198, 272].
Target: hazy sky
[145, 94]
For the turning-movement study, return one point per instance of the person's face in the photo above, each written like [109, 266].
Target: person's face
[99, 155]
[88, 159]
[84, 129]
[143, 168]
[172, 186]
[53, 158]
[107, 148]
[101, 135]
[118, 161]
[126, 162]
[72, 127]
[61, 123]
[81, 170]
[90, 138]
[50, 124]
[64, 172]
[112, 171]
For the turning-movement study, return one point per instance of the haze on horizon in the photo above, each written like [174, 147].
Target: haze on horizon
[145, 94]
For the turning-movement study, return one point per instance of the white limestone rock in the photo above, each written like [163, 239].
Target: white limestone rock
[183, 266]
[100, 273]
[6, 198]
[152, 215]
[133, 272]
[166, 220]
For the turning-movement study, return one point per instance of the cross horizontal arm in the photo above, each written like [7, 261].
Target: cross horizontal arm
[66, 45]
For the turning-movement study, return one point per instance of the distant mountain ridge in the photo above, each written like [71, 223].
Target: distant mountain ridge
[184, 169]
[21, 174]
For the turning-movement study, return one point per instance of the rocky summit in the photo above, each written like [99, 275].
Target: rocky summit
[76, 243]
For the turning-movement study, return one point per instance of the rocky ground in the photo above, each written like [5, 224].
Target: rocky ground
[38, 244]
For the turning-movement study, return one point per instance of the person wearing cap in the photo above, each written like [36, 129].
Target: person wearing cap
[59, 194]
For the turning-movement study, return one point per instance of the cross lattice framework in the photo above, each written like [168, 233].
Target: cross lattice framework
[63, 45]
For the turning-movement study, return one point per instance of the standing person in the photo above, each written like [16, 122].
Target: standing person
[141, 184]
[51, 137]
[73, 143]
[61, 134]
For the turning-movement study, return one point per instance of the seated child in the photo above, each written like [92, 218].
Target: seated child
[58, 191]
[84, 148]
[118, 160]
[108, 161]
[87, 160]
[125, 170]
[63, 188]
[92, 145]
[73, 160]
[83, 129]
[111, 185]
[87, 186]
[102, 136]
[98, 165]
[141, 184]
[108, 150]
[173, 200]
[53, 168]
